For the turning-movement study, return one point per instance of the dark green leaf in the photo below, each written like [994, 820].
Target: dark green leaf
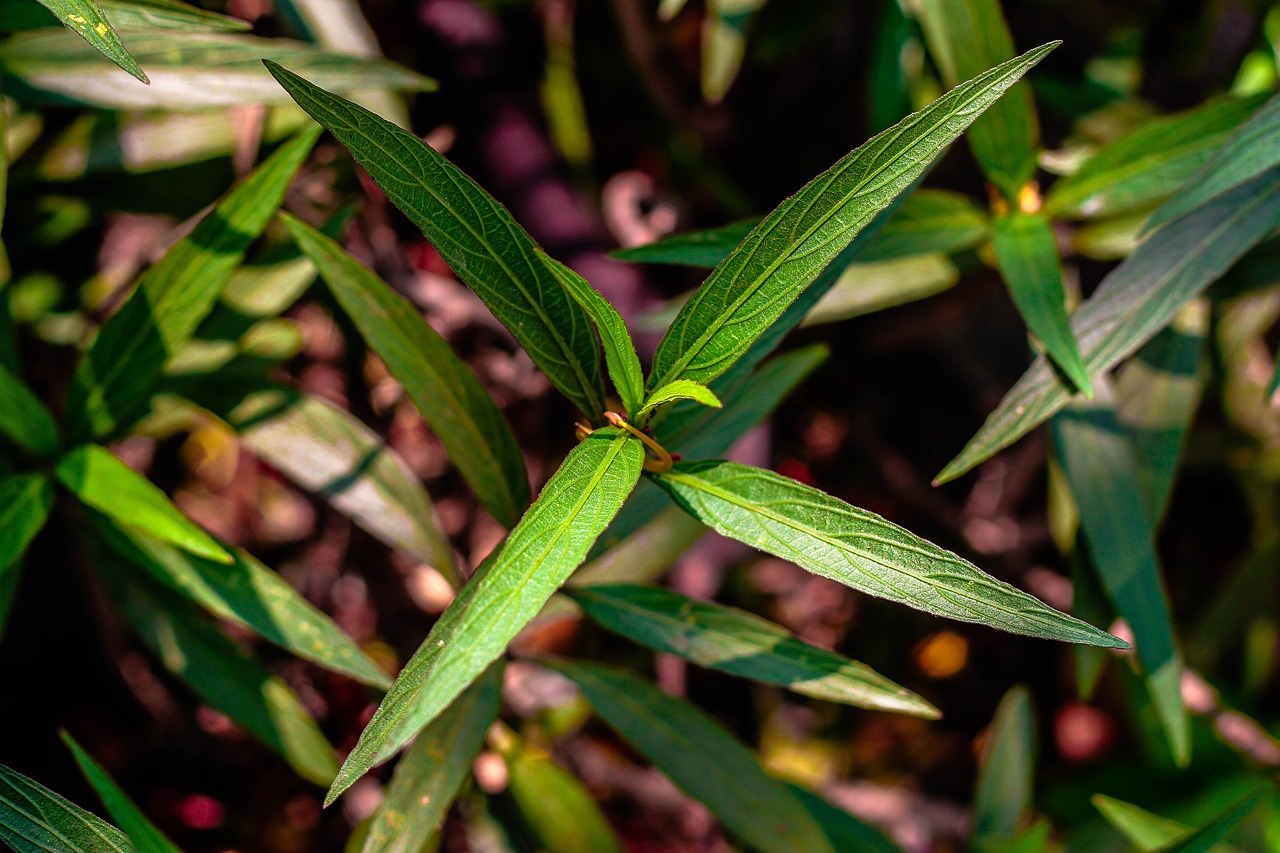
[743, 644]
[701, 758]
[25, 501]
[144, 835]
[445, 390]
[929, 221]
[85, 18]
[34, 819]
[114, 380]
[1006, 771]
[557, 807]
[693, 249]
[1207, 838]
[778, 260]
[1133, 303]
[1147, 832]
[23, 418]
[860, 549]
[866, 288]
[681, 389]
[551, 540]
[845, 831]
[475, 235]
[1027, 254]
[126, 15]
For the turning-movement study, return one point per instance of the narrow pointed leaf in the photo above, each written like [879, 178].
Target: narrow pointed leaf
[783, 255]
[864, 288]
[86, 18]
[141, 832]
[929, 221]
[860, 549]
[445, 390]
[1147, 832]
[619, 351]
[127, 15]
[704, 760]
[24, 420]
[474, 234]
[1006, 771]
[724, 44]
[551, 540]
[681, 389]
[1140, 297]
[434, 768]
[100, 480]
[556, 806]
[34, 819]
[691, 249]
[1027, 254]
[844, 830]
[25, 501]
[114, 380]
[742, 644]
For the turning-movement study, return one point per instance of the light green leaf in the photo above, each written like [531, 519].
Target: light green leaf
[23, 418]
[778, 260]
[25, 501]
[114, 379]
[556, 806]
[189, 70]
[965, 38]
[434, 768]
[1006, 771]
[475, 235]
[445, 390]
[251, 595]
[141, 832]
[1147, 832]
[1149, 163]
[619, 351]
[680, 389]
[1138, 298]
[704, 760]
[860, 549]
[845, 831]
[100, 480]
[645, 554]
[34, 819]
[742, 644]
[866, 288]
[1027, 254]
[507, 591]
[86, 19]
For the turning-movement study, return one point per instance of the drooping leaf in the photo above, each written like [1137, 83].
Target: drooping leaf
[86, 19]
[783, 255]
[433, 770]
[141, 832]
[680, 389]
[864, 288]
[1006, 771]
[701, 758]
[23, 418]
[1133, 303]
[619, 350]
[550, 541]
[34, 819]
[844, 830]
[556, 806]
[1027, 254]
[100, 480]
[115, 377]
[860, 549]
[743, 644]
[474, 234]
[25, 501]
[127, 15]
[444, 389]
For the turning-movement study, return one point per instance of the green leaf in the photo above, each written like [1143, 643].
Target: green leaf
[1027, 254]
[189, 70]
[542, 551]
[144, 835]
[778, 260]
[445, 390]
[860, 549]
[1251, 150]
[556, 806]
[691, 249]
[742, 644]
[965, 38]
[1100, 467]
[100, 480]
[1132, 304]
[474, 234]
[251, 595]
[724, 44]
[1006, 770]
[114, 380]
[680, 389]
[1150, 163]
[34, 819]
[1147, 832]
[647, 552]
[86, 19]
[23, 418]
[434, 768]
[844, 830]
[25, 501]
[127, 15]
[704, 760]
[929, 221]
[870, 287]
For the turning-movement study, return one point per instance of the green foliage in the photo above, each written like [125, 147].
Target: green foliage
[34, 819]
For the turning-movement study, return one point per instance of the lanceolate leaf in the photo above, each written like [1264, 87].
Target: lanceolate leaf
[25, 501]
[115, 378]
[743, 644]
[681, 389]
[95, 476]
[34, 819]
[929, 221]
[619, 351]
[445, 390]
[23, 418]
[860, 549]
[1147, 832]
[144, 835]
[864, 288]
[843, 830]
[127, 15]
[1006, 772]
[560, 811]
[752, 287]
[701, 758]
[87, 19]
[542, 551]
[1028, 257]
[1135, 301]
[475, 235]
[693, 249]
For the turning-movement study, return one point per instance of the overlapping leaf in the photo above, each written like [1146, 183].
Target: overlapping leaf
[681, 389]
[34, 819]
[24, 420]
[843, 830]
[562, 814]
[141, 832]
[1006, 772]
[127, 15]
